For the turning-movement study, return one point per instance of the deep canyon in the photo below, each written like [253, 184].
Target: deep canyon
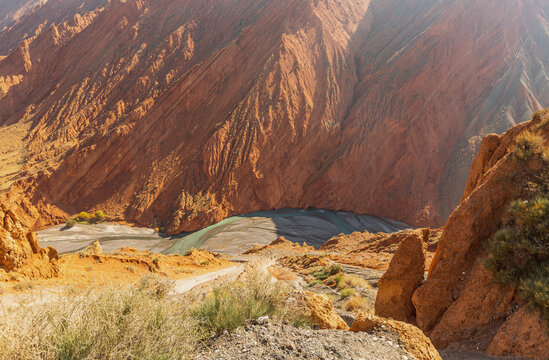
[178, 114]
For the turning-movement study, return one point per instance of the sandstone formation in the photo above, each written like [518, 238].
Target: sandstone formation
[322, 312]
[20, 253]
[405, 274]
[138, 263]
[280, 245]
[415, 341]
[123, 266]
[177, 113]
[93, 249]
[459, 304]
[376, 250]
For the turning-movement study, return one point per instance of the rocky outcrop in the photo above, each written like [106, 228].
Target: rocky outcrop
[20, 252]
[93, 249]
[459, 304]
[405, 274]
[137, 107]
[321, 310]
[376, 251]
[520, 336]
[280, 245]
[413, 338]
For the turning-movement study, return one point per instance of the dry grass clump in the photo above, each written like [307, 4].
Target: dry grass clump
[542, 116]
[231, 306]
[354, 281]
[133, 322]
[344, 281]
[358, 304]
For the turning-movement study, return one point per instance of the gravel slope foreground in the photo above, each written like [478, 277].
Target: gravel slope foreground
[277, 342]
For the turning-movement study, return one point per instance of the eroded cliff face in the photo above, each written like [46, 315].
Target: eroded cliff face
[20, 253]
[459, 304]
[180, 113]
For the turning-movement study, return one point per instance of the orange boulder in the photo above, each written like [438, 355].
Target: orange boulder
[413, 338]
[322, 312]
[405, 274]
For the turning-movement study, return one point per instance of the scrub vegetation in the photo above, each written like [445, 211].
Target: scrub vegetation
[144, 320]
[85, 218]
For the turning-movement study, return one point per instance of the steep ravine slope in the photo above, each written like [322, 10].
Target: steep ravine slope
[180, 113]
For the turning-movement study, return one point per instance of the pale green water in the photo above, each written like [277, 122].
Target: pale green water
[313, 226]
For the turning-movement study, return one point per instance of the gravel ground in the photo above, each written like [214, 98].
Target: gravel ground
[278, 342]
[463, 355]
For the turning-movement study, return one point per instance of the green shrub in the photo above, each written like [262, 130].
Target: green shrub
[347, 292]
[70, 223]
[100, 216]
[520, 252]
[327, 271]
[527, 144]
[231, 306]
[535, 290]
[313, 283]
[83, 216]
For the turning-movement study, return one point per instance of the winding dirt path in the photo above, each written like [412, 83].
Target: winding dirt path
[184, 285]
[223, 276]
